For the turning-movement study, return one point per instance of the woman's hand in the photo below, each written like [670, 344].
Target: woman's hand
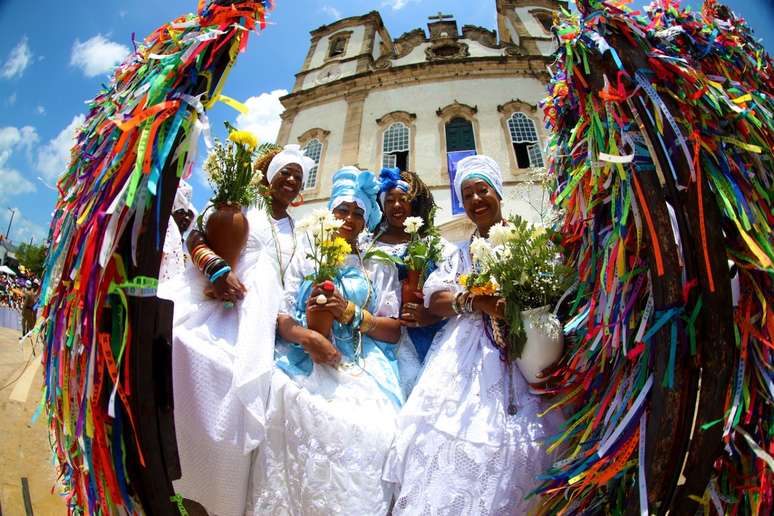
[227, 288]
[320, 349]
[415, 315]
[494, 306]
[336, 303]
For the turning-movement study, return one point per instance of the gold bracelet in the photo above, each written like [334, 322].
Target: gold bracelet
[368, 323]
[348, 314]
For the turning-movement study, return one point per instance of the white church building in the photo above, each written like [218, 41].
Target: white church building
[424, 100]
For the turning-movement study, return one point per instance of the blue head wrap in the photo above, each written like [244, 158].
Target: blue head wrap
[360, 187]
[391, 178]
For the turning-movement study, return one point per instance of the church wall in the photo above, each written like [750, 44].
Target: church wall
[354, 46]
[424, 99]
[377, 48]
[345, 69]
[329, 117]
[417, 55]
[533, 26]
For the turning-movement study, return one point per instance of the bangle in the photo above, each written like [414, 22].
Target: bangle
[348, 314]
[220, 272]
[468, 308]
[369, 321]
[456, 303]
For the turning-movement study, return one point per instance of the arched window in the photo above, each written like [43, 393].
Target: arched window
[459, 135]
[395, 146]
[524, 139]
[313, 149]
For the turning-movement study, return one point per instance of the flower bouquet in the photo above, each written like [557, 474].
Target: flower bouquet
[328, 252]
[520, 264]
[420, 254]
[229, 171]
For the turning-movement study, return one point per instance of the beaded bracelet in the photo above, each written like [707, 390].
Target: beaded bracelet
[456, 303]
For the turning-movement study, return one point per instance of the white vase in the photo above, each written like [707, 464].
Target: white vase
[545, 342]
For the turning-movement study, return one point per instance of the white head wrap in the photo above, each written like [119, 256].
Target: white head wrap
[183, 197]
[478, 167]
[290, 154]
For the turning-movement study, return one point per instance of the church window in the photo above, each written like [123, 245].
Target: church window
[395, 145]
[524, 139]
[459, 135]
[545, 18]
[338, 46]
[313, 149]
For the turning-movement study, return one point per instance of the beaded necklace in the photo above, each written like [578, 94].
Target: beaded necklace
[278, 248]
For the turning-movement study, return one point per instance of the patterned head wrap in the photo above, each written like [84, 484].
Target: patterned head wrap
[391, 178]
[359, 186]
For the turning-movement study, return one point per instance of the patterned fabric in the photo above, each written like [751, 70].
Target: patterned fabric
[329, 429]
[457, 450]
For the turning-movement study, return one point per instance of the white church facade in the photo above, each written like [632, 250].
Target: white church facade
[424, 100]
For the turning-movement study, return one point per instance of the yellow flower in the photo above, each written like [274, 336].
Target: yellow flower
[464, 280]
[245, 138]
[487, 289]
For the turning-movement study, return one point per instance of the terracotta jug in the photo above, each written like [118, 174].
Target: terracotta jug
[409, 288]
[226, 232]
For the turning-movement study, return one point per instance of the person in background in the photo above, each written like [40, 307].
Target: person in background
[174, 257]
[403, 195]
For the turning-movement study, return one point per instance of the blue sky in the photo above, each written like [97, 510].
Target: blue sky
[54, 55]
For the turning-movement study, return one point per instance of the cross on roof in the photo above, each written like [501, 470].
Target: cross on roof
[440, 16]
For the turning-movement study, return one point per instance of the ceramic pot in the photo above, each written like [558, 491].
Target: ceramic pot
[545, 342]
[226, 232]
[321, 322]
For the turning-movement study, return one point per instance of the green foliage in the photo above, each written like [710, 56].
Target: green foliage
[32, 257]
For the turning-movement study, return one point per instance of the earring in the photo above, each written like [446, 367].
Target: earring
[296, 204]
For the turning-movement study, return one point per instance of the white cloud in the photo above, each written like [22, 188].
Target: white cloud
[41, 110]
[397, 5]
[97, 55]
[263, 118]
[54, 157]
[22, 229]
[18, 60]
[13, 139]
[331, 11]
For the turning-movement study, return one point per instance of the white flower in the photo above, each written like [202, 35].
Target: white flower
[412, 224]
[500, 234]
[320, 215]
[480, 249]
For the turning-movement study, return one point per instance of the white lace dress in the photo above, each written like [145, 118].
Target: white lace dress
[409, 365]
[222, 363]
[329, 429]
[457, 451]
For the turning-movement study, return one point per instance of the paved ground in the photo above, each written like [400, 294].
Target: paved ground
[24, 448]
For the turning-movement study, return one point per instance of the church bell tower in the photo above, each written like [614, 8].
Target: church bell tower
[526, 24]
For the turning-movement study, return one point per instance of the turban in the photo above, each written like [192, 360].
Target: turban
[290, 154]
[360, 187]
[183, 197]
[478, 167]
[391, 178]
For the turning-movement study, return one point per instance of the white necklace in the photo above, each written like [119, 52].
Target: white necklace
[278, 247]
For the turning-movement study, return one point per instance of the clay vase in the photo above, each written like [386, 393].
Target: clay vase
[321, 322]
[226, 232]
[409, 288]
[545, 342]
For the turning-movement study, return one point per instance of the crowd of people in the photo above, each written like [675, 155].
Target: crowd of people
[403, 408]
[18, 293]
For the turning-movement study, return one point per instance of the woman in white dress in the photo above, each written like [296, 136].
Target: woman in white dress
[403, 195]
[223, 348]
[333, 403]
[469, 439]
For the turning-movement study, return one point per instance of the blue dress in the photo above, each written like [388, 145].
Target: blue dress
[329, 429]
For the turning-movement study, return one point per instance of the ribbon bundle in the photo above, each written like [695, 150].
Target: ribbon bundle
[144, 124]
[662, 133]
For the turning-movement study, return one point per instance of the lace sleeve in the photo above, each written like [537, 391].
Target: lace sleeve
[386, 288]
[446, 277]
[294, 276]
